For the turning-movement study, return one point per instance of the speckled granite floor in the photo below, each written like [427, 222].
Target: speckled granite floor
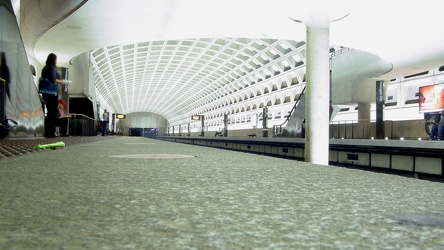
[81, 198]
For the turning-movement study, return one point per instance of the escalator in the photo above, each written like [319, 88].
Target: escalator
[293, 126]
[21, 112]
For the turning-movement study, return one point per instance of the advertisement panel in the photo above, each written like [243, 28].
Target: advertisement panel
[431, 98]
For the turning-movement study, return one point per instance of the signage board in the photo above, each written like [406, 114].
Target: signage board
[195, 117]
[431, 98]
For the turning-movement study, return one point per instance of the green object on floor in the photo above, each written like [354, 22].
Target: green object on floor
[54, 145]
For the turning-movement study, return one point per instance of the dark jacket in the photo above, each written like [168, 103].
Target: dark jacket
[47, 83]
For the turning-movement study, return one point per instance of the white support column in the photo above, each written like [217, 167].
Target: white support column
[318, 93]
[317, 17]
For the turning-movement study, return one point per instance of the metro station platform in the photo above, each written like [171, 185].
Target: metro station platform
[414, 158]
[138, 193]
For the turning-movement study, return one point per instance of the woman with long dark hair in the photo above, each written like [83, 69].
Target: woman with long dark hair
[49, 89]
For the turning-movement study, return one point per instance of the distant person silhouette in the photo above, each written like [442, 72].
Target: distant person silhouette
[62, 120]
[105, 122]
[440, 136]
[4, 73]
[434, 128]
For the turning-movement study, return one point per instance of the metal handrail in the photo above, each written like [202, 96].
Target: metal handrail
[90, 123]
[75, 116]
[338, 52]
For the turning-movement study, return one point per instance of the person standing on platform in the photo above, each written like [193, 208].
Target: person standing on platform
[105, 122]
[62, 120]
[434, 128]
[49, 89]
[441, 127]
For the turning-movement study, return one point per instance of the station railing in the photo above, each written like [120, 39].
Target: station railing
[358, 129]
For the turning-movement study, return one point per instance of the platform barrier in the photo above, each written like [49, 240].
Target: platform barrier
[80, 125]
[420, 159]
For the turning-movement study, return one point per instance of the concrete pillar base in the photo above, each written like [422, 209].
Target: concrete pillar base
[364, 124]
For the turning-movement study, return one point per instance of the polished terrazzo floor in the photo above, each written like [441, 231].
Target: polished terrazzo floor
[112, 194]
